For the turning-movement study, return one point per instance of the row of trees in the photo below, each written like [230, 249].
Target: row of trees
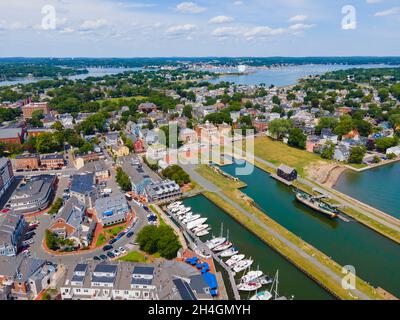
[177, 174]
[123, 180]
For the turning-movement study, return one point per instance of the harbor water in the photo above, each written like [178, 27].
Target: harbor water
[376, 259]
[291, 280]
[377, 187]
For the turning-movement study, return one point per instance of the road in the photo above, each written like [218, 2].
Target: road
[190, 169]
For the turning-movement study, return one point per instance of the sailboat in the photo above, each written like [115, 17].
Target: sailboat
[267, 295]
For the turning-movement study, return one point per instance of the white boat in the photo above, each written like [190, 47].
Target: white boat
[191, 218]
[249, 286]
[174, 204]
[183, 211]
[229, 253]
[211, 244]
[202, 233]
[263, 295]
[201, 228]
[193, 224]
[222, 247]
[251, 276]
[177, 209]
[235, 259]
[242, 265]
[184, 215]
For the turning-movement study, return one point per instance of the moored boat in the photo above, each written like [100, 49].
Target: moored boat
[229, 252]
[235, 259]
[249, 286]
[316, 204]
[191, 218]
[211, 244]
[193, 224]
[251, 276]
[242, 265]
[202, 233]
[222, 247]
[263, 295]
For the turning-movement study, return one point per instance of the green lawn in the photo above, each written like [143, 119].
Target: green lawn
[108, 234]
[277, 152]
[134, 256]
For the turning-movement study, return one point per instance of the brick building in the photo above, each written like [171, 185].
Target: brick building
[52, 161]
[29, 108]
[12, 135]
[27, 162]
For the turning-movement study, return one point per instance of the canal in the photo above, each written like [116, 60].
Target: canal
[291, 280]
[375, 258]
[377, 187]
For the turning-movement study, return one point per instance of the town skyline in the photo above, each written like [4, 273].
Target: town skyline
[252, 28]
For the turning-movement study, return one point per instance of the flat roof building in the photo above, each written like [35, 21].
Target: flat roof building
[112, 210]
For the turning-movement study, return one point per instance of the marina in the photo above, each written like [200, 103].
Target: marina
[218, 248]
[334, 237]
[293, 282]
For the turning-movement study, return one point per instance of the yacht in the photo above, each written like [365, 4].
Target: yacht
[235, 259]
[229, 252]
[193, 224]
[223, 247]
[174, 204]
[249, 286]
[201, 228]
[177, 209]
[202, 233]
[251, 276]
[190, 218]
[183, 211]
[263, 295]
[242, 265]
[211, 244]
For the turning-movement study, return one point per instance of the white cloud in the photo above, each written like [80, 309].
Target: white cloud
[12, 26]
[181, 29]
[224, 32]
[298, 18]
[67, 30]
[301, 26]
[189, 7]
[263, 31]
[374, 1]
[238, 3]
[90, 25]
[221, 19]
[389, 12]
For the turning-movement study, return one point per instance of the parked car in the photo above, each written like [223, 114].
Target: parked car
[103, 257]
[110, 255]
[122, 250]
[27, 242]
[116, 252]
[107, 248]
[96, 258]
[112, 241]
[130, 234]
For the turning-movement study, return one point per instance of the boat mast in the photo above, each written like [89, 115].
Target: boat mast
[274, 287]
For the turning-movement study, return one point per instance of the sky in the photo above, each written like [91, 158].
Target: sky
[199, 28]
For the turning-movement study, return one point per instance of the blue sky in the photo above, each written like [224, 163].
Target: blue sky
[155, 28]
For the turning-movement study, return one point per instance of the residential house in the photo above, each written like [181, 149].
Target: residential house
[394, 150]
[27, 162]
[188, 136]
[342, 153]
[52, 161]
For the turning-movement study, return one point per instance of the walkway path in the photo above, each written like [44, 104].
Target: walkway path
[190, 169]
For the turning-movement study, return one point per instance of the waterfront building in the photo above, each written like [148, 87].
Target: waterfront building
[34, 196]
[83, 188]
[112, 210]
[394, 150]
[12, 227]
[6, 175]
[342, 153]
[287, 172]
[162, 191]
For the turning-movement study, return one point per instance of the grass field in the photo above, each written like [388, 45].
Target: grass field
[134, 256]
[231, 191]
[108, 234]
[278, 153]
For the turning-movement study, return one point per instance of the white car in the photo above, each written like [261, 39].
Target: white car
[116, 252]
[122, 250]
[27, 242]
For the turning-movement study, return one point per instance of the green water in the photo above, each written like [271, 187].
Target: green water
[291, 280]
[376, 259]
[378, 187]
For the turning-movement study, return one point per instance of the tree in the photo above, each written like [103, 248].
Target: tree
[382, 144]
[357, 154]
[344, 126]
[123, 180]
[280, 127]
[56, 206]
[297, 138]
[37, 115]
[187, 111]
[177, 174]
[363, 127]
[328, 150]
[326, 122]
[161, 239]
